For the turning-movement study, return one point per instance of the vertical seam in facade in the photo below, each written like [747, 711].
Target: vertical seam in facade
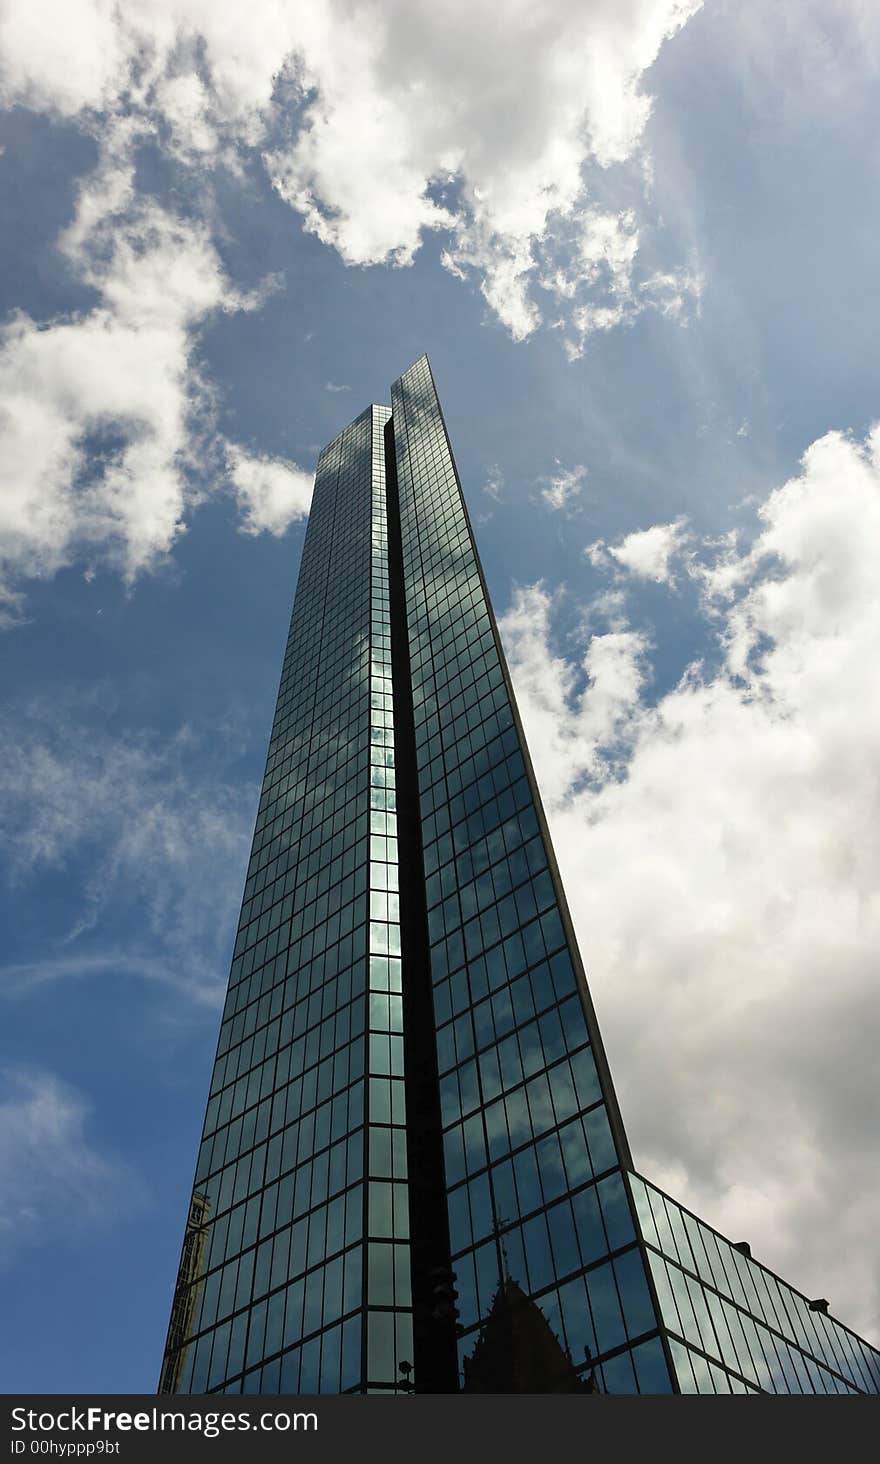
[434, 1339]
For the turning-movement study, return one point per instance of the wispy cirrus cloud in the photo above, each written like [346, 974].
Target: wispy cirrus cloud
[601, 278]
[55, 1180]
[150, 836]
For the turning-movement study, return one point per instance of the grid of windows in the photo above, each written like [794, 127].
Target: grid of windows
[389, 1298]
[313, 1193]
[275, 1300]
[535, 1191]
[737, 1328]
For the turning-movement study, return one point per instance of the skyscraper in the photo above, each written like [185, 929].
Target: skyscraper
[413, 1170]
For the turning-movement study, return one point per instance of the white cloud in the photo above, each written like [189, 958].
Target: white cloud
[564, 728]
[647, 553]
[116, 375]
[493, 487]
[272, 494]
[721, 853]
[563, 487]
[54, 1181]
[377, 122]
[605, 248]
[150, 833]
[102, 409]
[418, 119]
[670, 293]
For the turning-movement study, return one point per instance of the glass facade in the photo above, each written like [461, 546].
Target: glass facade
[733, 1326]
[533, 1172]
[279, 1301]
[389, 1291]
[413, 1171]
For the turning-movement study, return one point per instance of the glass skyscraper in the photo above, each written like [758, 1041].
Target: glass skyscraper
[413, 1172]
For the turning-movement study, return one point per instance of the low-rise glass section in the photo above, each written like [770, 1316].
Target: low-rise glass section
[734, 1326]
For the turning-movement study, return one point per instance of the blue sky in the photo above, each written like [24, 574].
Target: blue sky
[638, 242]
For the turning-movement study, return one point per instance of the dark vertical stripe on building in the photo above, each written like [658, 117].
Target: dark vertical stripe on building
[435, 1364]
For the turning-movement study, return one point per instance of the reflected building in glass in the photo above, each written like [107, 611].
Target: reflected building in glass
[413, 1173]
